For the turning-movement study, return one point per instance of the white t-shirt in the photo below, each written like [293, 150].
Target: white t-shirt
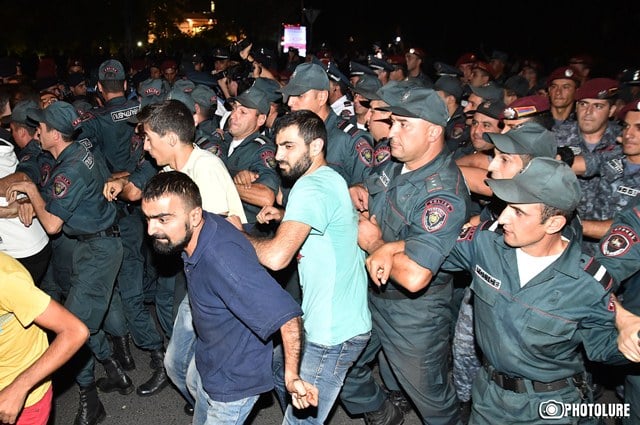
[16, 239]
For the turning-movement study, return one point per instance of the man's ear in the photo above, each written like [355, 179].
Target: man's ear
[555, 224]
[195, 217]
[315, 147]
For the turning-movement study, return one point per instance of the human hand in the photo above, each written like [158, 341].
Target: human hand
[269, 213]
[11, 403]
[359, 197]
[303, 394]
[245, 178]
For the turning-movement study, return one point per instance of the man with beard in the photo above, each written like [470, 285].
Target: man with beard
[169, 133]
[324, 236]
[236, 304]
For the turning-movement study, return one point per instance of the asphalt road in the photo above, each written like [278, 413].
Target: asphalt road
[166, 407]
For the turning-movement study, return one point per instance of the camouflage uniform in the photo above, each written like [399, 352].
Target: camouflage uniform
[569, 135]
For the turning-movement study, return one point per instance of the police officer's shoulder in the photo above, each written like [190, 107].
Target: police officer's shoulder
[351, 128]
[599, 272]
[262, 140]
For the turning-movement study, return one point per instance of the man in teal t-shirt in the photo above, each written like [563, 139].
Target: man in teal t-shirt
[320, 225]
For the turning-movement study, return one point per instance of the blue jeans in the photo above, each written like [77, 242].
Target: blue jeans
[180, 352]
[229, 413]
[323, 366]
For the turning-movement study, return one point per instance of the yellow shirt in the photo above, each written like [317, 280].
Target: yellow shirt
[21, 341]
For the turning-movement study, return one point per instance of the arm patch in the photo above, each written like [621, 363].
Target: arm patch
[599, 273]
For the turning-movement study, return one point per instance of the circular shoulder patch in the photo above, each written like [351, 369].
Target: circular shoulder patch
[435, 215]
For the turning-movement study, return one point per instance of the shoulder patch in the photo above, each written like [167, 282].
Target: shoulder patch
[435, 215]
[381, 155]
[599, 273]
[433, 183]
[467, 233]
[61, 184]
[619, 240]
[269, 159]
[84, 117]
[365, 152]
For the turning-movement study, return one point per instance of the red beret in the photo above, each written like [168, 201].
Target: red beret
[466, 58]
[634, 105]
[526, 106]
[563, 73]
[485, 67]
[597, 88]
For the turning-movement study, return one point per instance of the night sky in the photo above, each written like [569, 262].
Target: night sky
[548, 31]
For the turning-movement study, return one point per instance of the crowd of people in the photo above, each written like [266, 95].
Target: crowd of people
[470, 230]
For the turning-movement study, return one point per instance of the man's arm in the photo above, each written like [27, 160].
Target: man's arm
[596, 229]
[52, 224]
[303, 394]
[475, 177]
[278, 251]
[628, 325]
[256, 194]
[16, 177]
[388, 259]
[71, 334]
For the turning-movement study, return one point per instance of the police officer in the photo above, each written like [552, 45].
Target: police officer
[110, 130]
[593, 132]
[539, 302]
[72, 202]
[349, 150]
[247, 149]
[412, 210]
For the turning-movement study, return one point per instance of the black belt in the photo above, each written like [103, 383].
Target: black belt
[111, 232]
[518, 385]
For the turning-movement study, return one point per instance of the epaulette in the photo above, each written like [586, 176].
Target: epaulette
[261, 141]
[348, 127]
[433, 183]
[599, 273]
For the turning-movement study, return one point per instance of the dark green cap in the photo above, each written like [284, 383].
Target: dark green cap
[19, 112]
[182, 96]
[307, 76]
[111, 70]
[270, 86]
[59, 115]
[545, 181]
[419, 102]
[528, 139]
[253, 98]
[204, 95]
[367, 86]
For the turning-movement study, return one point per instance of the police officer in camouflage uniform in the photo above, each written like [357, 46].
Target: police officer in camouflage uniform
[593, 131]
[72, 202]
[618, 172]
[412, 212]
[110, 130]
[539, 303]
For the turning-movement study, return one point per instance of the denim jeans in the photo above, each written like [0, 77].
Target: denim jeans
[180, 354]
[229, 413]
[323, 366]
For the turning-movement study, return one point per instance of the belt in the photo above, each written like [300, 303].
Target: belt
[518, 385]
[111, 232]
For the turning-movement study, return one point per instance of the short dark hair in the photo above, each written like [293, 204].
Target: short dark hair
[112, 86]
[310, 126]
[170, 115]
[173, 183]
[548, 212]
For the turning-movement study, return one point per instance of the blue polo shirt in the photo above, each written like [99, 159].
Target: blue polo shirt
[236, 307]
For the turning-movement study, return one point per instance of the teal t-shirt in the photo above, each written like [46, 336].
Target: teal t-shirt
[330, 263]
